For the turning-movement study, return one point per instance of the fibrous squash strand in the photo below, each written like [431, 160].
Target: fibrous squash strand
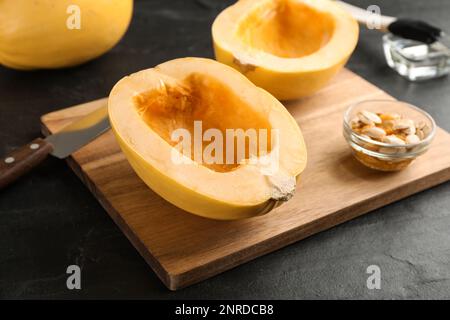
[205, 99]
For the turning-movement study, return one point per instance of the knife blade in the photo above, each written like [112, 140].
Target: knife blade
[77, 134]
[61, 145]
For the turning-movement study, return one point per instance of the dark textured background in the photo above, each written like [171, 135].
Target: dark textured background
[49, 220]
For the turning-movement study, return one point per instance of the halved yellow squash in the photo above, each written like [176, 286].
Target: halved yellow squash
[147, 107]
[47, 34]
[291, 48]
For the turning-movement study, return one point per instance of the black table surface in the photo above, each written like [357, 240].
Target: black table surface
[49, 220]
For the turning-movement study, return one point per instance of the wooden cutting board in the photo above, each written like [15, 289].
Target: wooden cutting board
[183, 249]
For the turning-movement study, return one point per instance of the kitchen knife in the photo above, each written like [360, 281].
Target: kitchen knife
[61, 145]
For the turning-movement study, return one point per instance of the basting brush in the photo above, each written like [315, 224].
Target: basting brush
[412, 29]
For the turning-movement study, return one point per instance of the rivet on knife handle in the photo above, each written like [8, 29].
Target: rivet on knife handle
[22, 160]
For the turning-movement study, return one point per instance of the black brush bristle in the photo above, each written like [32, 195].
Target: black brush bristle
[415, 30]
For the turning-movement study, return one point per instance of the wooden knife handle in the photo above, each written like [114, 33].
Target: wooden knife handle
[22, 160]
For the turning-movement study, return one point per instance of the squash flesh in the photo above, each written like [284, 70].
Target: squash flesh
[286, 29]
[201, 98]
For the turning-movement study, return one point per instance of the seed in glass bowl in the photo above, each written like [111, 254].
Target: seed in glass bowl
[374, 132]
[420, 134]
[404, 126]
[393, 139]
[426, 130]
[412, 138]
[369, 118]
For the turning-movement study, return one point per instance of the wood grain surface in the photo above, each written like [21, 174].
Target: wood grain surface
[184, 249]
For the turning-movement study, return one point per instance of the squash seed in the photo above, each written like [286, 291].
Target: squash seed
[426, 130]
[393, 139]
[401, 124]
[420, 134]
[374, 132]
[420, 124]
[368, 117]
[405, 125]
[410, 130]
[412, 138]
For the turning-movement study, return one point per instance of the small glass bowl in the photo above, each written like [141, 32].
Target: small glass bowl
[415, 60]
[384, 156]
